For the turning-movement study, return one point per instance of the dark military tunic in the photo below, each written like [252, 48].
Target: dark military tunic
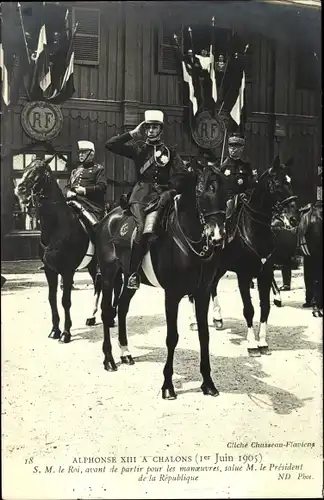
[159, 168]
[91, 176]
[239, 175]
[157, 177]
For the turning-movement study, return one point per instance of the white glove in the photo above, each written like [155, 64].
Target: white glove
[70, 194]
[80, 190]
[137, 132]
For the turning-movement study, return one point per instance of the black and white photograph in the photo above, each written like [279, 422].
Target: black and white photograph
[161, 250]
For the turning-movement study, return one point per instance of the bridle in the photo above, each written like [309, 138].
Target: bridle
[207, 251]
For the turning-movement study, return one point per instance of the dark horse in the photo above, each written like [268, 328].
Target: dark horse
[64, 244]
[252, 251]
[311, 241]
[182, 261]
[285, 227]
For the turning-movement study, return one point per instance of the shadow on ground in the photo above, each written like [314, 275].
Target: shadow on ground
[241, 375]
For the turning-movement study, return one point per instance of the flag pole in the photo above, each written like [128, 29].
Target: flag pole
[23, 31]
[223, 148]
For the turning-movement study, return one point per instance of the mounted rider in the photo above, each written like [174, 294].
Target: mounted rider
[87, 186]
[161, 174]
[241, 178]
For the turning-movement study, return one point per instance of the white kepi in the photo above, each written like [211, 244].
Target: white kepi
[86, 145]
[153, 116]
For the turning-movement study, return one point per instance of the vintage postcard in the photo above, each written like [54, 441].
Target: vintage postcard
[160, 164]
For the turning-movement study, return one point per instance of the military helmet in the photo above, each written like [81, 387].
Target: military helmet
[236, 140]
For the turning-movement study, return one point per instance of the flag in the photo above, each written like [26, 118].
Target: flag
[188, 79]
[41, 79]
[239, 103]
[5, 88]
[213, 75]
[63, 69]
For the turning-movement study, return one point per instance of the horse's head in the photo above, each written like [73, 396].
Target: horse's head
[277, 180]
[36, 174]
[211, 200]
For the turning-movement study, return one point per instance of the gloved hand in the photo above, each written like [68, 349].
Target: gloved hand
[80, 190]
[166, 197]
[70, 194]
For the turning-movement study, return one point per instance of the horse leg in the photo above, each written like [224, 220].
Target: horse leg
[276, 292]
[107, 315]
[123, 307]
[217, 312]
[52, 280]
[264, 285]
[202, 299]
[171, 312]
[118, 288]
[96, 279]
[192, 316]
[244, 282]
[66, 303]
[318, 292]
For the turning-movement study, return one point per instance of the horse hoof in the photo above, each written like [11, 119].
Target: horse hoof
[264, 349]
[254, 352]
[127, 360]
[65, 337]
[91, 321]
[209, 390]
[317, 314]
[277, 303]
[193, 327]
[110, 366]
[218, 324]
[169, 394]
[55, 334]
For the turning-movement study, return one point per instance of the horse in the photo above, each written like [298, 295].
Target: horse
[285, 227]
[65, 245]
[251, 253]
[182, 261]
[310, 234]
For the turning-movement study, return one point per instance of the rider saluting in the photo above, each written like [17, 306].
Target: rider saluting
[160, 175]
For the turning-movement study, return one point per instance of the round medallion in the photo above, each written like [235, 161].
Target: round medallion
[41, 120]
[208, 131]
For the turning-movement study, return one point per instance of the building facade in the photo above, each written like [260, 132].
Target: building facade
[124, 64]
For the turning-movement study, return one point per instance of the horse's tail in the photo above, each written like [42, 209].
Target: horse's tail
[98, 284]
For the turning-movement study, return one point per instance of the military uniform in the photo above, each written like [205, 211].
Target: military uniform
[159, 168]
[160, 173]
[239, 175]
[91, 176]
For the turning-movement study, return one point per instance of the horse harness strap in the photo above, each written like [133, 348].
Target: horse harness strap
[202, 253]
[245, 240]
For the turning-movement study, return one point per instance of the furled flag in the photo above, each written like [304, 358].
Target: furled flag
[239, 103]
[41, 80]
[188, 79]
[212, 68]
[5, 88]
[65, 60]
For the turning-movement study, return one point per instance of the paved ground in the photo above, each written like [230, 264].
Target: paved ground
[61, 409]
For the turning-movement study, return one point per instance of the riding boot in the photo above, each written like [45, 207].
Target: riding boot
[229, 217]
[139, 251]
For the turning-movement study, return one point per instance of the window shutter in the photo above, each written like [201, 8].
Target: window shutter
[167, 61]
[86, 42]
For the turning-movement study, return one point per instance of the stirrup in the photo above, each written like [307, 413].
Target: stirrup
[134, 281]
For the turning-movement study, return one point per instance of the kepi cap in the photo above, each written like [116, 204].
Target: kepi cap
[153, 116]
[236, 140]
[86, 145]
